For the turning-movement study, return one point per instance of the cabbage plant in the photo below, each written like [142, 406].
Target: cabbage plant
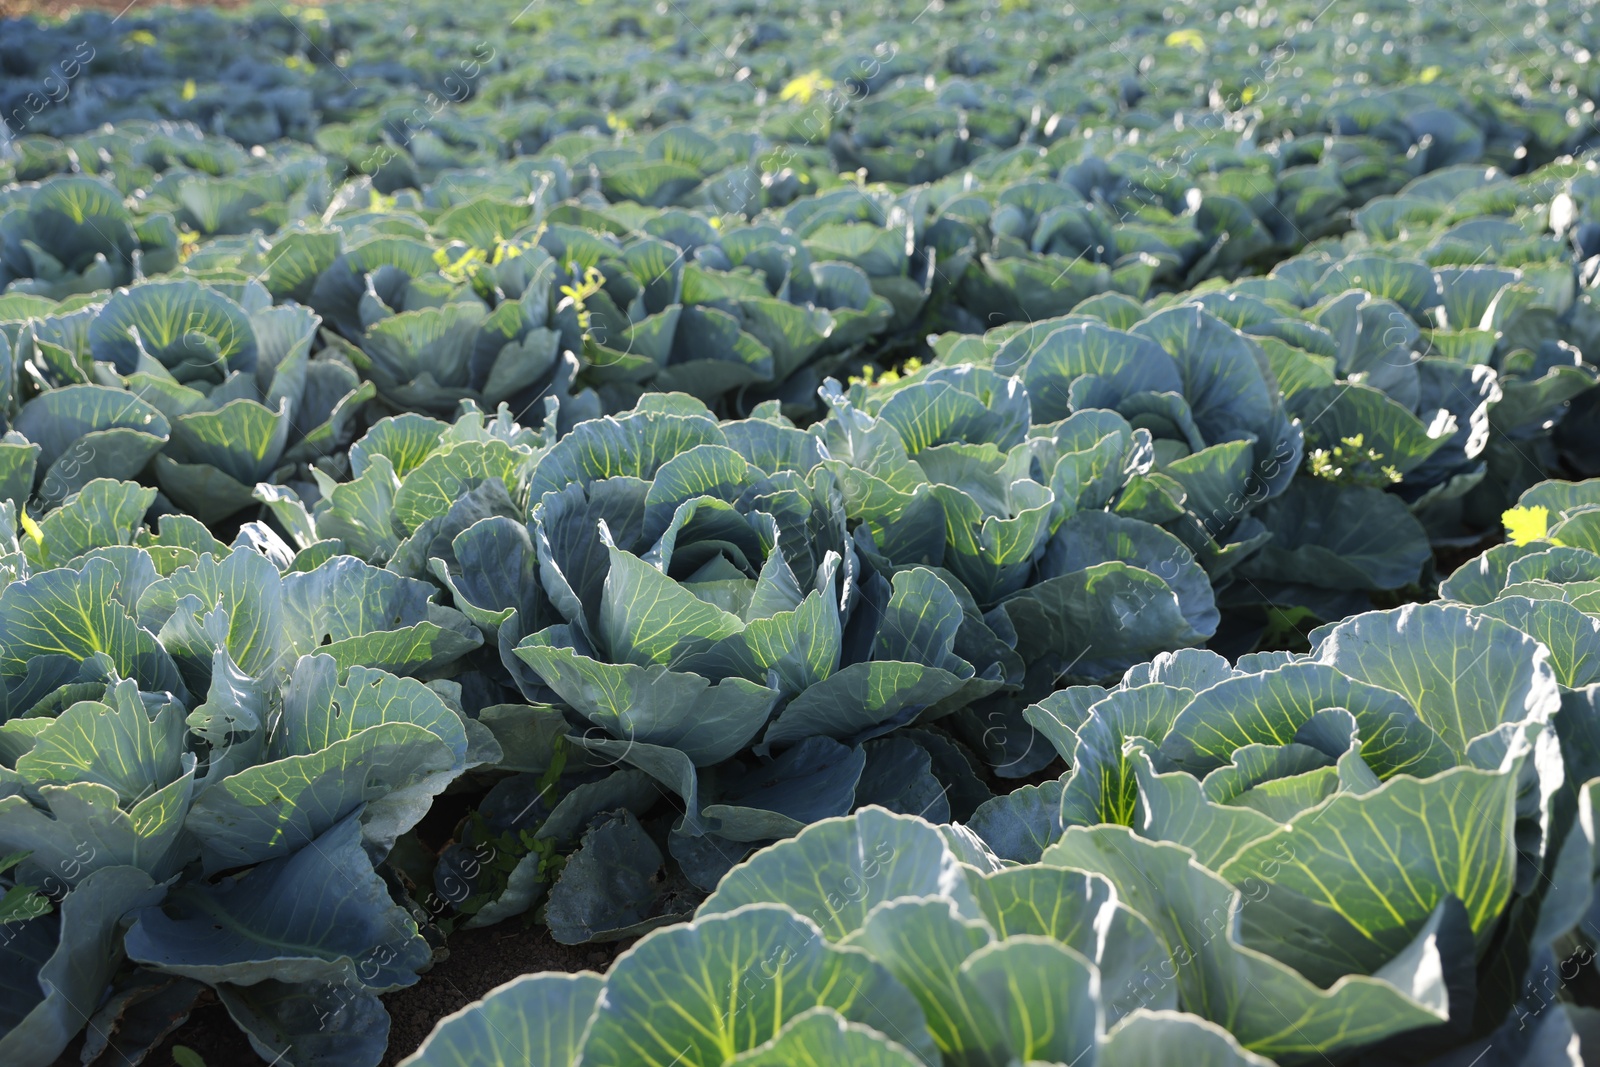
[213, 745]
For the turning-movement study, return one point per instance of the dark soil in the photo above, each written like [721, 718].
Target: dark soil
[479, 960]
[1446, 560]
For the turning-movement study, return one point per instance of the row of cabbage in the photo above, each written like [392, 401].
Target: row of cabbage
[487, 318]
[1384, 847]
[908, 93]
[474, 286]
[1435, 359]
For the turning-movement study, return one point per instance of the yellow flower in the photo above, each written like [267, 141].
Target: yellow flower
[1526, 524]
[805, 86]
[1191, 38]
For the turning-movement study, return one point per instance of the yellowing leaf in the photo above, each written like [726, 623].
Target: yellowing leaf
[144, 37]
[1428, 74]
[31, 528]
[188, 89]
[1191, 38]
[805, 86]
[1526, 524]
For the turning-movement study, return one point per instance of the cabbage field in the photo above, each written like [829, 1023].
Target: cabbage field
[969, 533]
